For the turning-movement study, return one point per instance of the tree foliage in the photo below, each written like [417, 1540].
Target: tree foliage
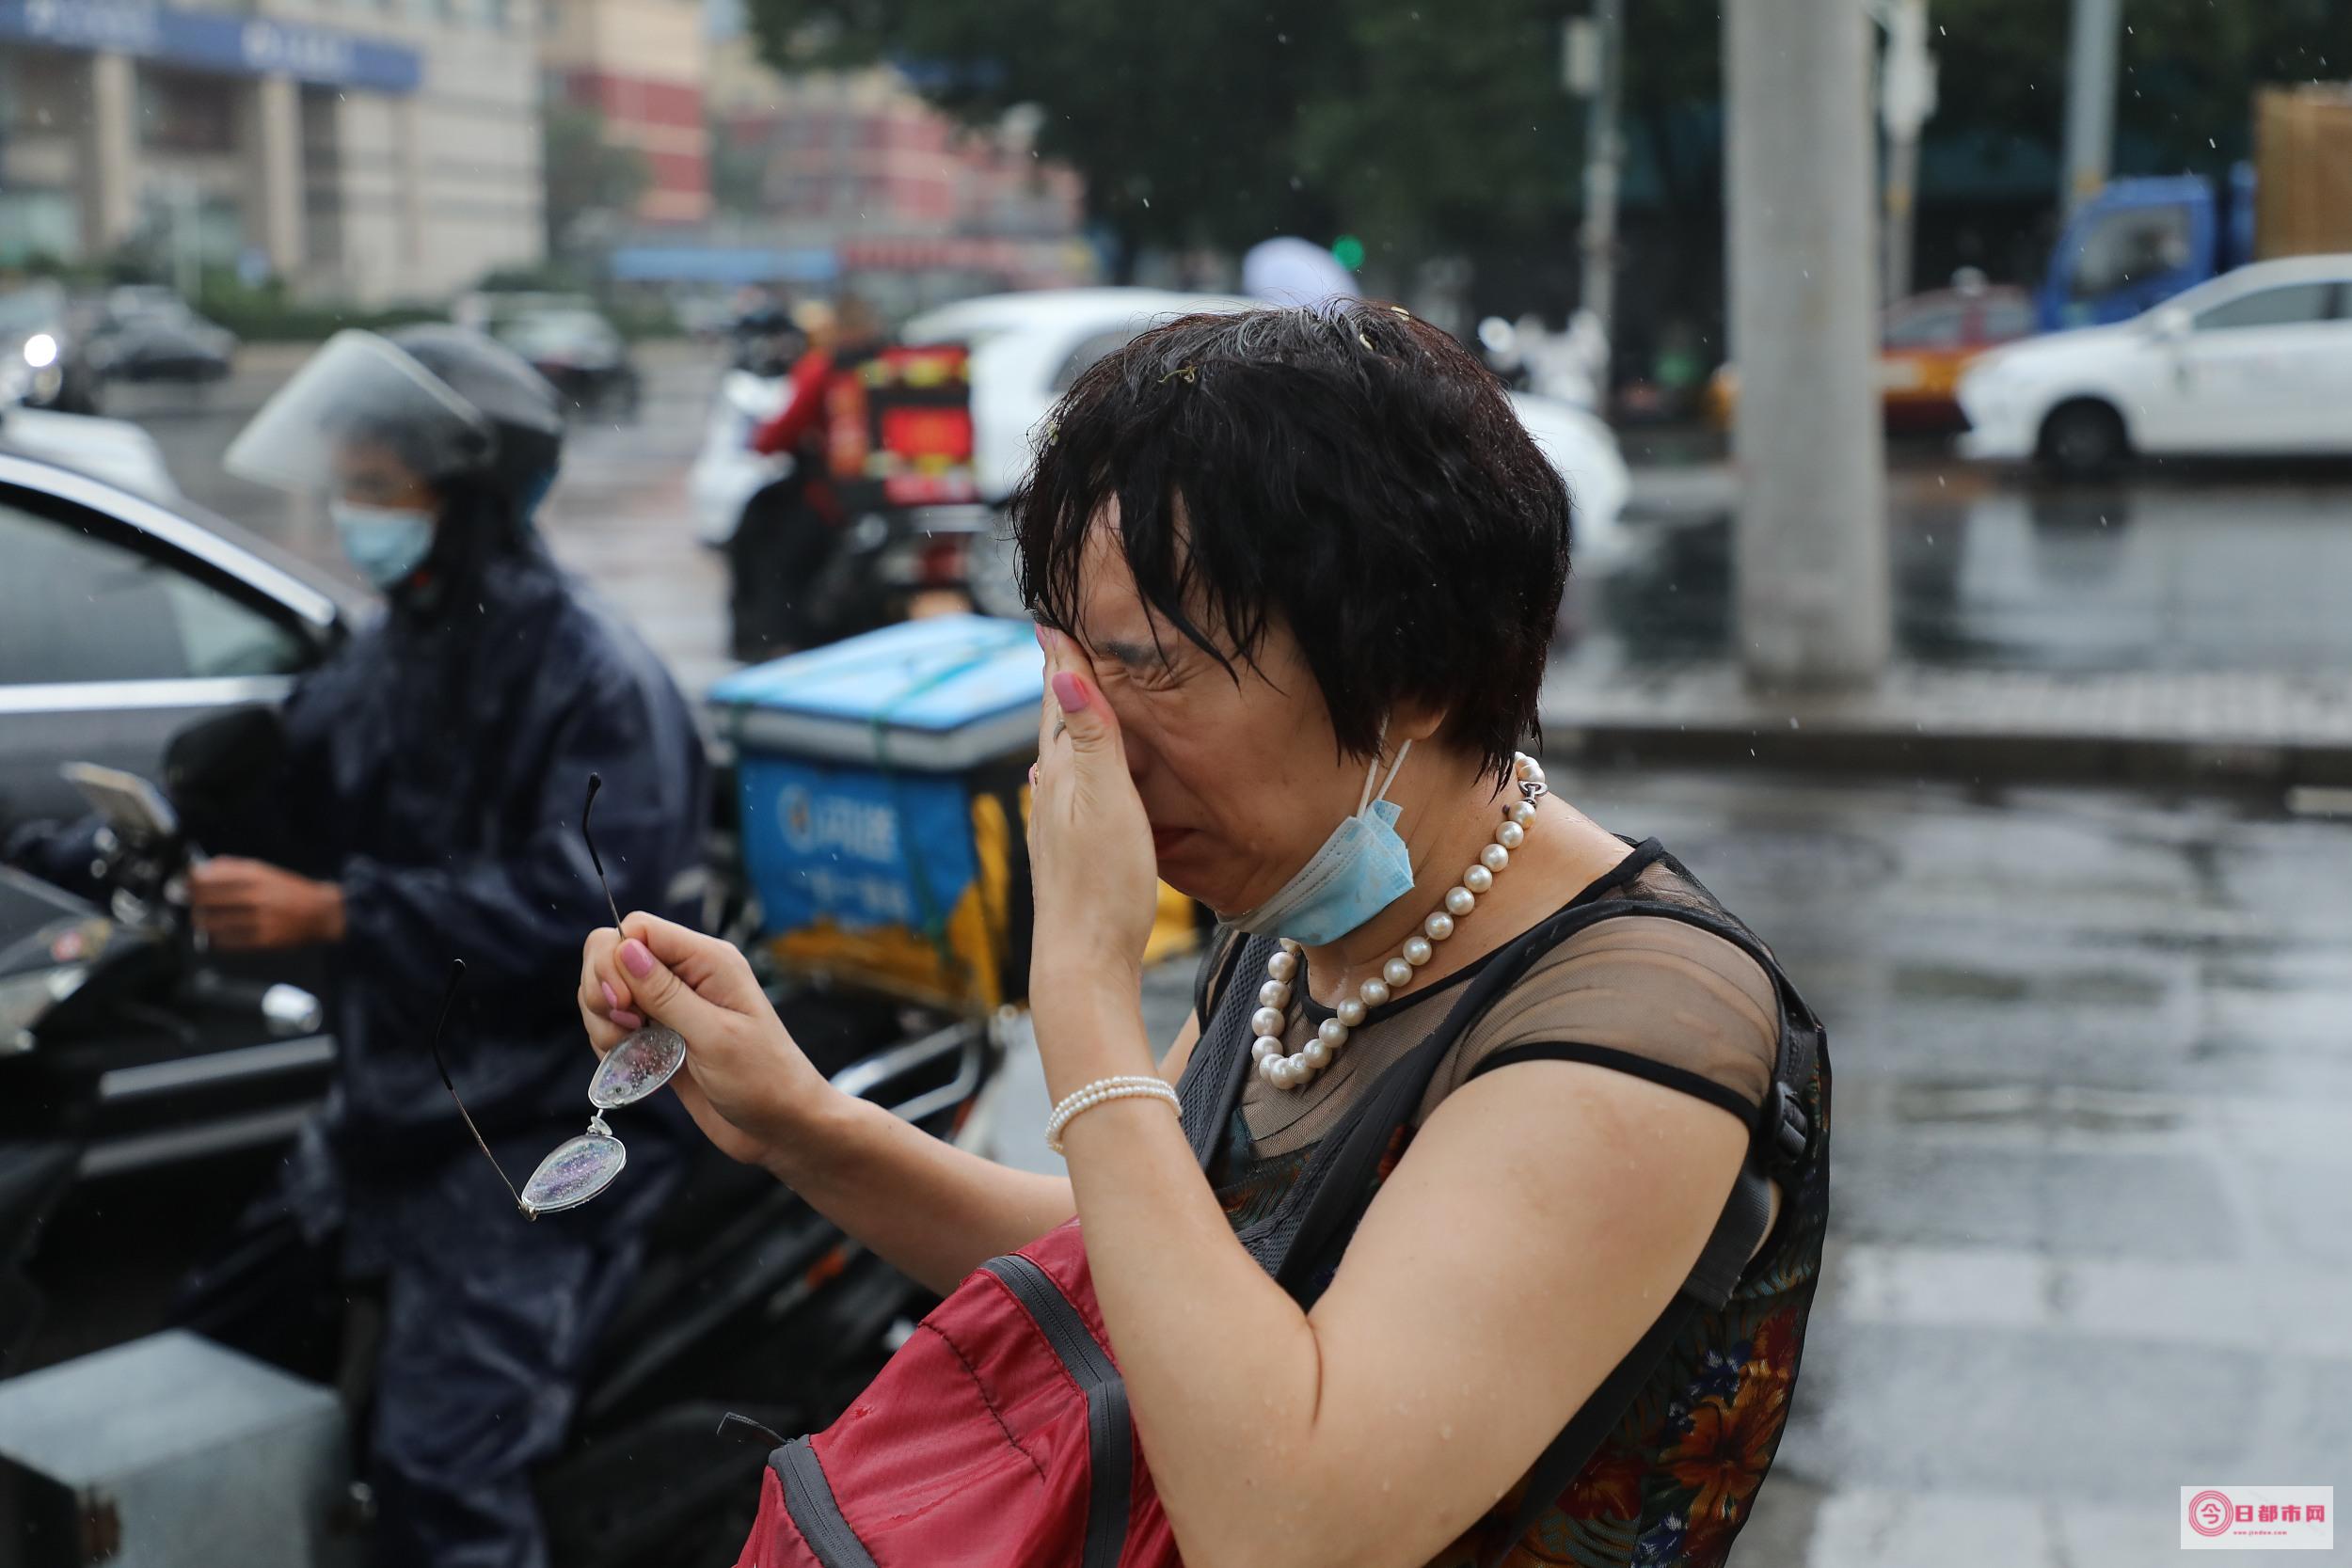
[586, 172]
[1429, 125]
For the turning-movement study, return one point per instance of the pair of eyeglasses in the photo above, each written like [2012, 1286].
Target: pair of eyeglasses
[579, 1168]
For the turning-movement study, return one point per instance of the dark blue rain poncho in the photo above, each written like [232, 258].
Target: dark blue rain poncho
[435, 769]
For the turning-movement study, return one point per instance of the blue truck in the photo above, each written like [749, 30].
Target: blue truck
[2138, 242]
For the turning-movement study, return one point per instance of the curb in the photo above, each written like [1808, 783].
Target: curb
[1981, 758]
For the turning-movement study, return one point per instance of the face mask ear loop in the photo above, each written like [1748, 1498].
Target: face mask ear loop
[1369, 797]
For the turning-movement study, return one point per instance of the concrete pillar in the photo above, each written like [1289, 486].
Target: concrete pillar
[110, 155]
[274, 209]
[2096, 40]
[1810, 548]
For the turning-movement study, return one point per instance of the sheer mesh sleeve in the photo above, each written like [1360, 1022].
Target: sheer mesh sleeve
[1646, 993]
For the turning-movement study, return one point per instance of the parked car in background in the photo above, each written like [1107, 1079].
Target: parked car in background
[2258, 361]
[150, 334]
[581, 352]
[1926, 342]
[44, 360]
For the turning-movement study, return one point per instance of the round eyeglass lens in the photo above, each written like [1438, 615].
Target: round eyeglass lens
[637, 1067]
[576, 1172]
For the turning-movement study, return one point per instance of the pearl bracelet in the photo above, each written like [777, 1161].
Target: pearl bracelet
[1102, 1091]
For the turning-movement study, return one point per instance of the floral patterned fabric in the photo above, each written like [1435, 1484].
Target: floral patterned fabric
[1673, 1483]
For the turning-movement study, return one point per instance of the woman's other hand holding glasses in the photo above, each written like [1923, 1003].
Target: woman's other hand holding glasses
[745, 1079]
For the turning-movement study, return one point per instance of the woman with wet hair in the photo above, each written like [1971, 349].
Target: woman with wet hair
[1489, 1213]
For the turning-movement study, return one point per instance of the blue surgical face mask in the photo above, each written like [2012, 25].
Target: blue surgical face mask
[386, 543]
[1361, 869]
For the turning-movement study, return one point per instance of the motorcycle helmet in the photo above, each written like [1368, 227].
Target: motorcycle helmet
[456, 407]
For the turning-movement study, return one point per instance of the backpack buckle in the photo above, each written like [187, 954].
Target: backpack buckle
[1787, 1130]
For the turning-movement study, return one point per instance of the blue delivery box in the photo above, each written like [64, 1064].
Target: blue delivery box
[882, 786]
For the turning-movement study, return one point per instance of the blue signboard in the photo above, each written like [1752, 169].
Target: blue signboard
[238, 45]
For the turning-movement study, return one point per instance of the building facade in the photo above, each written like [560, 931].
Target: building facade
[640, 66]
[369, 151]
[863, 150]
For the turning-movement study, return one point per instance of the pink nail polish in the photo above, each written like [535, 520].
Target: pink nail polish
[611, 997]
[1069, 691]
[636, 958]
[627, 1019]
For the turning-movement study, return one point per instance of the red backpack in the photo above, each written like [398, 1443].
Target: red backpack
[998, 1434]
[998, 1437]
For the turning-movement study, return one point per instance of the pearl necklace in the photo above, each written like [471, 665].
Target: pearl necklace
[1295, 1069]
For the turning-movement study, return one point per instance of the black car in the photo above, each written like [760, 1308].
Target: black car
[581, 352]
[124, 622]
[164, 345]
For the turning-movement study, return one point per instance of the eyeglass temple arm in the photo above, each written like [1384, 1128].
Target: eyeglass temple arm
[449, 998]
[595, 783]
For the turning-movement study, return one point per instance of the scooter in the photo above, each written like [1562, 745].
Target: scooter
[750, 1303]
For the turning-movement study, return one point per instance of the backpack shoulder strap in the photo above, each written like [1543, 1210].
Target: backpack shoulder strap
[1780, 1144]
[1210, 1086]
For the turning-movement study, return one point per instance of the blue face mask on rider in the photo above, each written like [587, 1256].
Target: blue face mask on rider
[386, 543]
[1361, 869]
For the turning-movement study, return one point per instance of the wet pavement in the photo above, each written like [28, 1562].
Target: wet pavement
[2091, 1230]
[2213, 568]
[2092, 1192]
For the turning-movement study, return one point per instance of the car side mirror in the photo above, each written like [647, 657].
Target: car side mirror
[2170, 325]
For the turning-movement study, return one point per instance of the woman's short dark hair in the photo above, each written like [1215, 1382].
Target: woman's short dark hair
[1347, 470]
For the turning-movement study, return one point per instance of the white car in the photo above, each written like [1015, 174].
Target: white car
[1027, 348]
[2258, 361]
